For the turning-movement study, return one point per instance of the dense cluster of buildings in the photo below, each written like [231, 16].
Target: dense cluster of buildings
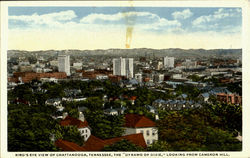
[158, 74]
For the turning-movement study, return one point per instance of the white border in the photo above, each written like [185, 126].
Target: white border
[245, 4]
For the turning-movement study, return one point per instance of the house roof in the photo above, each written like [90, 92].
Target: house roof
[133, 98]
[97, 144]
[94, 144]
[205, 95]
[73, 122]
[137, 121]
[68, 146]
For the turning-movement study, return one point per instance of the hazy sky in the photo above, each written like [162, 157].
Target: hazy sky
[43, 28]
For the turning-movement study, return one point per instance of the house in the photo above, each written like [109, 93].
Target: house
[54, 101]
[121, 110]
[80, 123]
[183, 96]
[204, 97]
[110, 111]
[132, 99]
[151, 109]
[135, 124]
[82, 108]
[158, 103]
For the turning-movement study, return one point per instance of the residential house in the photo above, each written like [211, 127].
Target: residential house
[80, 123]
[135, 124]
[110, 111]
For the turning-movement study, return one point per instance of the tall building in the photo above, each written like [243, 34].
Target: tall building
[64, 64]
[169, 62]
[123, 67]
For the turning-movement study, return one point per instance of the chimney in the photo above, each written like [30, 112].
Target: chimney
[65, 114]
[81, 117]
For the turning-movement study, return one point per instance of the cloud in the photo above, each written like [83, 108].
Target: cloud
[144, 21]
[147, 19]
[183, 14]
[51, 19]
[218, 15]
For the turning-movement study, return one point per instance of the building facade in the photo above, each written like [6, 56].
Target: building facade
[135, 124]
[64, 64]
[123, 67]
[168, 62]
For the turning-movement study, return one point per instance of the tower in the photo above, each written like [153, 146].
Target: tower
[123, 67]
[64, 64]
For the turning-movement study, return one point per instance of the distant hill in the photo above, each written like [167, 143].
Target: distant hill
[175, 52]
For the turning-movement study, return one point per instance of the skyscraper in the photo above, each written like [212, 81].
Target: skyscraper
[169, 62]
[64, 64]
[123, 67]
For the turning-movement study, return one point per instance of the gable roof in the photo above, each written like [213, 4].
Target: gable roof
[70, 121]
[137, 121]
[68, 146]
[97, 144]
[94, 144]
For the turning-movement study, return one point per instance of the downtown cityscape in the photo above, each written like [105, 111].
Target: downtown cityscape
[93, 102]
[124, 79]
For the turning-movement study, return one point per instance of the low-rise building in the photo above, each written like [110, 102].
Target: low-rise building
[135, 124]
[229, 98]
[80, 123]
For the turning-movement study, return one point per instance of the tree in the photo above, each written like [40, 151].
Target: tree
[105, 126]
[69, 133]
[29, 130]
[192, 131]
[159, 146]
[194, 78]
[123, 145]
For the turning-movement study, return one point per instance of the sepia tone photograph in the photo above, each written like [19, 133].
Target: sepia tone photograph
[132, 78]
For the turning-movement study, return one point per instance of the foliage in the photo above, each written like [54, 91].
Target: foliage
[195, 78]
[104, 126]
[230, 114]
[28, 129]
[123, 145]
[159, 146]
[69, 133]
[191, 91]
[193, 131]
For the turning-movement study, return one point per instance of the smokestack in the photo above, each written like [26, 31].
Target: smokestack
[128, 36]
[130, 17]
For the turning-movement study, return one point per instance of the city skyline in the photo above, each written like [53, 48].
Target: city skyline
[43, 28]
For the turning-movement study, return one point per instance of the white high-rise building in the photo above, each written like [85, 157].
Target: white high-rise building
[64, 64]
[169, 62]
[123, 67]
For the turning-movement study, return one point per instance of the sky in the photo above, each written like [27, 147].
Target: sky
[58, 28]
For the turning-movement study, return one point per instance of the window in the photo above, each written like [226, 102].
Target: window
[147, 132]
[148, 141]
[86, 131]
[153, 132]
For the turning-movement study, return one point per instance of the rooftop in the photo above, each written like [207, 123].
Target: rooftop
[137, 121]
[74, 122]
